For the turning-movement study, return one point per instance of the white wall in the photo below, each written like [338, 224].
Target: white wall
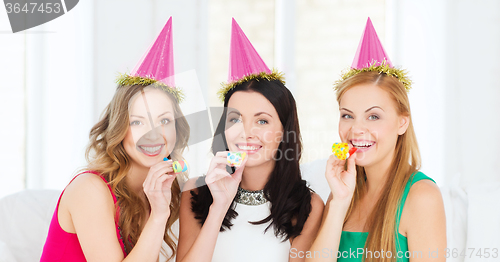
[58, 76]
[63, 75]
[474, 52]
[121, 40]
[327, 36]
[452, 51]
[12, 108]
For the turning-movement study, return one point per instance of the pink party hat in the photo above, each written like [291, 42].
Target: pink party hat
[158, 62]
[370, 49]
[156, 67]
[371, 57]
[243, 58]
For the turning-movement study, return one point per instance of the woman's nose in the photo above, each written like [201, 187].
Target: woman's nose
[248, 130]
[153, 134]
[358, 127]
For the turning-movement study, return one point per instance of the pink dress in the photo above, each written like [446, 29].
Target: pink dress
[63, 246]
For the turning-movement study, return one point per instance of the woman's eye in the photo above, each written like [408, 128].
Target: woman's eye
[135, 123]
[235, 120]
[165, 121]
[262, 122]
[346, 116]
[373, 117]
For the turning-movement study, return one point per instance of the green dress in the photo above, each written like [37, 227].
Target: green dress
[352, 244]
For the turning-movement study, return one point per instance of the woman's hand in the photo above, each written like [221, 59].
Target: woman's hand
[157, 188]
[342, 182]
[222, 185]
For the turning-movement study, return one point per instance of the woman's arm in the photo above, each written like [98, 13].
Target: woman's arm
[198, 243]
[342, 183]
[303, 242]
[326, 244]
[157, 187]
[424, 219]
[92, 212]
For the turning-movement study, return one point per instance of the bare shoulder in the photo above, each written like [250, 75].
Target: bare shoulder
[187, 188]
[423, 220]
[311, 226]
[189, 226]
[86, 196]
[423, 193]
[87, 188]
[317, 209]
[423, 199]
[88, 183]
[317, 203]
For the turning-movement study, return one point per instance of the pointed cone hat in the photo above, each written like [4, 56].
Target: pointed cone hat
[156, 67]
[371, 57]
[158, 62]
[245, 63]
[243, 58]
[370, 50]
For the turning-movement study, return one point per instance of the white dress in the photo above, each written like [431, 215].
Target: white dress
[247, 242]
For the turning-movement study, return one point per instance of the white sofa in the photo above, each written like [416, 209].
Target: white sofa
[472, 215]
[24, 222]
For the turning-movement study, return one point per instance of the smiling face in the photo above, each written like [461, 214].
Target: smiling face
[370, 122]
[253, 126]
[145, 142]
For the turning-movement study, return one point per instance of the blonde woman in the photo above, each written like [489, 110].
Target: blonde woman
[381, 207]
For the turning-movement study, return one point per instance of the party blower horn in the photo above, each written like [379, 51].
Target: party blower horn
[179, 166]
[342, 151]
[235, 158]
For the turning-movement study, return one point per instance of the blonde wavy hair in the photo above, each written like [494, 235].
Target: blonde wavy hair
[382, 220]
[106, 155]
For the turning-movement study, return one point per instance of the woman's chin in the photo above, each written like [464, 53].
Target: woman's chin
[362, 161]
[254, 161]
[151, 161]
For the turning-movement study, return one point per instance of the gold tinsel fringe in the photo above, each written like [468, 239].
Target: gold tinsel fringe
[274, 75]
[384, 68]
[127, 80]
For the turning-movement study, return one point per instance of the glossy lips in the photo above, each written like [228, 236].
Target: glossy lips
[249, 148]
[362, 145]
[151, 150]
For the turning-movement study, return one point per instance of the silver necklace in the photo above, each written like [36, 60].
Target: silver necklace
[250, 198]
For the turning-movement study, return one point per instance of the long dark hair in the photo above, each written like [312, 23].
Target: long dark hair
[289, 195]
